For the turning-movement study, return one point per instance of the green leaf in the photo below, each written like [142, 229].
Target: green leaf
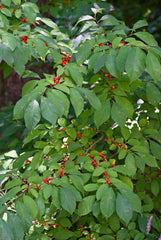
[140, 162]
[109, 20]
[102, 115]
[5, 231]
[6, 54]
[49, 23]
[47, 190]
[48, 110]
[121, 59]
[77, 182]
[107, 203]
[12, 183]
[91, 96]
[21, 159]
[83, 52]
[133, 199]
[111, 63]
[22, 104]
[11, 154]
[149, 159]
[153, 94]
[116, 42]
[40, 47]
[156, 149]
[57, 101]
[118, 114]
[64, 99]
[123, 208]
[93, 59]
[130, 164]
[147, 38]
[31, 205]
[4, 21]
[63, 234]
[6, 12]
[99, 63]
[29, 86]
[68, 200]
[32, 115]
[98, 171]
[101, 190]
[126, 105]
[155, 188]
[56, 197]
[83, 18]
[85, 206]
[24, 214]
[9, 40]
[140, 24]
[18, 13]
[91, 187]
[106, 237]
[135, 63]
[15, 226]
[6, 2]
[41, 206]
[37, 159]
[75, 74]
[153, 65]
[77, 101]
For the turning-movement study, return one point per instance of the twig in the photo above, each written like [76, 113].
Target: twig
[91, 146]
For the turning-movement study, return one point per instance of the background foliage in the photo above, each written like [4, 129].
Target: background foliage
[81, 148]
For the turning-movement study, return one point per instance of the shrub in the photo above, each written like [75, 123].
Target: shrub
[89, 163]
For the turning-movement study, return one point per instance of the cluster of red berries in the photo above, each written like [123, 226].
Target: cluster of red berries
[27, 161]
[94, 162]
[82, 229]
[24, 20]
[80, 135]
[106, 178]
[123, 44]
[65, 59]
[115, 143]
[46, 180]
[51, 225]
[56, 79]
[61, 173]
[101, 45]
[23, 39]
[109, 77]
[103, 156]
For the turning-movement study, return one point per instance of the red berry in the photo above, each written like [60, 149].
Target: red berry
[112, 88]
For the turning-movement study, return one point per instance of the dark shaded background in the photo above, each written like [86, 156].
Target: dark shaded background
[65, 13]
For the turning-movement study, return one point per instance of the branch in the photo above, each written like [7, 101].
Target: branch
[91, 146]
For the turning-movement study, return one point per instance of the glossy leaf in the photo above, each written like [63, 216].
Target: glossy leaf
[32, 115]
[108, 203]
[102, 115]
[137, 57]
[47, 113]
[123, 208]
[118, 114]
[68, 200]
[147, 38]
[85, 206]
[77, 101]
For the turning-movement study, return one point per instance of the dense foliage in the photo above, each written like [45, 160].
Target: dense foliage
[85, 141]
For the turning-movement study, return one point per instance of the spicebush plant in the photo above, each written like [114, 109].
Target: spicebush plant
[89, 162]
